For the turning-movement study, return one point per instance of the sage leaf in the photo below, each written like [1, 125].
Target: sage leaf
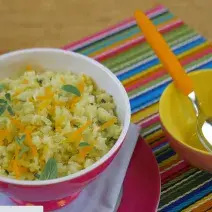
[3, 101]
[20, 140]
[1, 87]
[50, 170]
[10, 110]
[37, 175]
[83, 144]
[2, 109]
[8, 96]
[71, 89]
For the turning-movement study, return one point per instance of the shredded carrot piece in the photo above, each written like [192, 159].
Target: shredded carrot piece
[25, 81]
[29, 142]
[18, 124]
[16, 169]
[48, 94]
[17, 150]
[42, 97]
[3, 135]
[82, 128]
[84, 151]
[81, 86]
[76, 136]
[23, 169]
[48, 91]
[28, 68]
[108, 123]
[59, 103]
[74, 101]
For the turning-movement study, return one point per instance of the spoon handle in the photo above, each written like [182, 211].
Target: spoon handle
[164, 53]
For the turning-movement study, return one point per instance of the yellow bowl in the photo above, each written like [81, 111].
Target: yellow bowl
[179, 121]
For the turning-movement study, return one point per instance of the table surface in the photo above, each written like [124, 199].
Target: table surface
[53, 23]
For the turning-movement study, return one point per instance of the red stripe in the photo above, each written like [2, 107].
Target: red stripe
[165, 176]
[151, 121]
[134, 42]
[121, 24]
[146, 79]
[161, 72]
[158, 143]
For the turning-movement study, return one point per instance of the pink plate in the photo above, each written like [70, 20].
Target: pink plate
[141, 188]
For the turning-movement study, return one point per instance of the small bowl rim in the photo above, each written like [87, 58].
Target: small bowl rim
[120, 140]
[163, 97]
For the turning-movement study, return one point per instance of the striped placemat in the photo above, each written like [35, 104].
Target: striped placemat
[123, 50]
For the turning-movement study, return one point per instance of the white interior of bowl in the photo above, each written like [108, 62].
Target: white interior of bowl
[13, 63]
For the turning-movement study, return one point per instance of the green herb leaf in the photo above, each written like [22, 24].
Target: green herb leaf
[83, 144]
[1, 87]
[20, 140]
[3, 101]
[23, 150]
[40, 81]
[2, 109]
[37, 175]
[71, 89]
[10, 110]
[50, 170]
[8, 96]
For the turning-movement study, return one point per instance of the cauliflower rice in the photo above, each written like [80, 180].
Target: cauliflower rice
[40, 120]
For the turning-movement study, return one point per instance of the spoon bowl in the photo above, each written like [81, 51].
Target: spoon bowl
[179, 121]
[181, 80]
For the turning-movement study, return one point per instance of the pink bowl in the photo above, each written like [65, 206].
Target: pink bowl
[53, 194]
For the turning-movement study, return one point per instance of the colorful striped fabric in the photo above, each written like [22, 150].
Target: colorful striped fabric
[123, 50]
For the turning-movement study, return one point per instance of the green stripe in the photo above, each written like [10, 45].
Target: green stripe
[148, 85]
[146, 129]
[166, 76]
[141, 52]
[161, 150]
[184, 187]
[122, 35]
[164, 152]
[179, 178]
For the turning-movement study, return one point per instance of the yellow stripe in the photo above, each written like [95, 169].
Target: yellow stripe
[144, 113]
[153, 136]
[198, 203]
[166, 162]
[156, 67]
[135, 36]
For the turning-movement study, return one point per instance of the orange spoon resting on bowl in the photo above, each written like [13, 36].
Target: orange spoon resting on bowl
[181, 80]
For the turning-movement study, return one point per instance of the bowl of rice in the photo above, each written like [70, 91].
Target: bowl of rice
[63, 119]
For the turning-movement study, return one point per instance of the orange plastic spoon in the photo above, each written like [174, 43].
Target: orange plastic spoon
[182, 81]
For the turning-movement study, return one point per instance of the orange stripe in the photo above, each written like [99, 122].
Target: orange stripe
[160, 68]
[148, 111]
[151, 138]
[204, 207]
[129, 39]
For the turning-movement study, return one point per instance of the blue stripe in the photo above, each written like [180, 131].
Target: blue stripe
[193, 196]
[153, 95]
[130, 32]
[148, 96]
[165, 156]
[163, 18]
[205, 66]
[160, 146]
[155, 61]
